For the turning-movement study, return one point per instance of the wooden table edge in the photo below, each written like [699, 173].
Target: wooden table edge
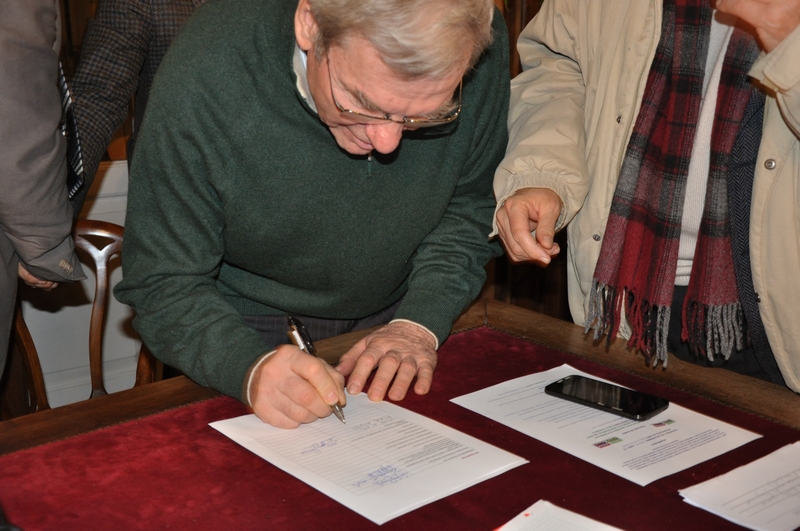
[765, 399]
[762, 398]
[100, 412]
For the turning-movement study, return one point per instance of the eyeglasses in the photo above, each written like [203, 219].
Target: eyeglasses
[412, 122]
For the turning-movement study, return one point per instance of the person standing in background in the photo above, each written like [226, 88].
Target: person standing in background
[665, 135]
[35, 213]
[121, 51]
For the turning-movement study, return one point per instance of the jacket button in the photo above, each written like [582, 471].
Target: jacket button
[619, 119]
[770, 164]
[596, 237]
[758, 298]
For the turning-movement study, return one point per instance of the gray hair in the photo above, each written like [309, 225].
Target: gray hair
[415, 38]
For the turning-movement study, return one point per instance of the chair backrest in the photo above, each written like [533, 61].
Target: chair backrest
[101, 255]
[101, 241]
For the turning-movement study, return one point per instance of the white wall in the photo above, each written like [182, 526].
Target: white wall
[59, 320]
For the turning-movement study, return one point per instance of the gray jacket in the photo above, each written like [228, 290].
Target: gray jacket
[35, 213]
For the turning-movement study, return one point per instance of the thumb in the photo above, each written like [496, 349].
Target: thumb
[546, 227]
[321, 376]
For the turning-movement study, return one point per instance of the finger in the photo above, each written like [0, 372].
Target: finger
[512, 249]
[504, 231]
[521, 229]
[275, 406]
[277, 419]
[509, 239]
[24, 275]
[287, 416]
[348, 361]
[364, 366]
[383, 377]
[546, 226]
[554, 250]
[424, 378]
[339, 378]
[42, 285]
[402, 380]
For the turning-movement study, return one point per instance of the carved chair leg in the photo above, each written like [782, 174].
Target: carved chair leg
[30, 360]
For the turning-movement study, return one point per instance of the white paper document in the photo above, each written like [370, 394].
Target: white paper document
[544, 516]
[640, 451]
[385, 462]
[763, 495]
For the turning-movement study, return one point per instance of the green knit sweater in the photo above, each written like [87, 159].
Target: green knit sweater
[241, 202]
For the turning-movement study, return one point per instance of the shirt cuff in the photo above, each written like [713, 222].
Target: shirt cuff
[247, 388]
[435, 339]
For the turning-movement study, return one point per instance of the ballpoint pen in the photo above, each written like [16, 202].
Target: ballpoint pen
[299, 335]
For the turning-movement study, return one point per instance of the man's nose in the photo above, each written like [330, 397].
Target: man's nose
[384, 137]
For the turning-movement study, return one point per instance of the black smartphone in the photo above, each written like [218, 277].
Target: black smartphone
[607, 397]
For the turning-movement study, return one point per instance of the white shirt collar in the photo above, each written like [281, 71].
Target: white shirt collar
[300, 63]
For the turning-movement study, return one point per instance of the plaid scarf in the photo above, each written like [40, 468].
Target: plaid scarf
[635, 274]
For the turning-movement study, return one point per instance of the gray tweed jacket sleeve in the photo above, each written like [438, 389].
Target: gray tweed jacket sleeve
[121, 51]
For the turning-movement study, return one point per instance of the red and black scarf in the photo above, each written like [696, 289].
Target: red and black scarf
[635, 274]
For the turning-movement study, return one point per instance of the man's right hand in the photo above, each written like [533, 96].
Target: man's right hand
[527, 210]
[33, 281]
[292, 388]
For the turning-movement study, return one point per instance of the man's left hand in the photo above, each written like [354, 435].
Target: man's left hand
[401, 351]
[773, 20]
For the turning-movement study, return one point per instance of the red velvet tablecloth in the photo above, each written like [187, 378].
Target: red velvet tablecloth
[172, 471]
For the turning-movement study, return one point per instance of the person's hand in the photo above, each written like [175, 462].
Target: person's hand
[35, 282]
[292, 388]
[772, 20]
[400, 351]
[527, 210]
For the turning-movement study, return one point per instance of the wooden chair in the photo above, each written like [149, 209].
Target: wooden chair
[100, 240]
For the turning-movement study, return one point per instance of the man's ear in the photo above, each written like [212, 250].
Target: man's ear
[305, 27]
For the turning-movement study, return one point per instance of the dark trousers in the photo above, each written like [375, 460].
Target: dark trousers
[741, 361]
[273, 328]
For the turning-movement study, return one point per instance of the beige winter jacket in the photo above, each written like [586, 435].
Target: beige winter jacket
[572, 110]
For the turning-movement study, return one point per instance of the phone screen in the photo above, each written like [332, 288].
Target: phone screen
[607, 397]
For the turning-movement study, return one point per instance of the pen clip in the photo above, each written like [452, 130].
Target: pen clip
[299, 335]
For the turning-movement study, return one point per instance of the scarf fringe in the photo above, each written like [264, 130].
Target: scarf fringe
[607, 308]
[714, 330]
[709, 330]
[598, 317]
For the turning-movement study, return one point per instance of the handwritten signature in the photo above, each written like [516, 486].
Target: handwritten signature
[383, 476]
[380, 421]
[317, 448]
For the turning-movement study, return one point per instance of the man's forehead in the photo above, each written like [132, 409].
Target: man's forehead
[354, 52]
[357, 68]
